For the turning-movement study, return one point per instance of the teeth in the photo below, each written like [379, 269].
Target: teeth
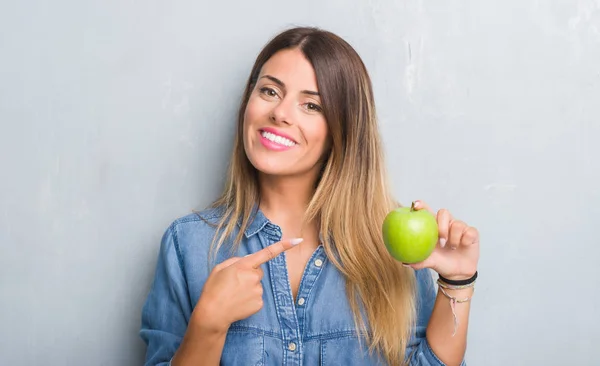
[277, 139]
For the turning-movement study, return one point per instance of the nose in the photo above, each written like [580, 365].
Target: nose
[282, 112]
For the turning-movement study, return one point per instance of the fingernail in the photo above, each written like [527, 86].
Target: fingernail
[406, 265]
[296, 241]
[442, 242]
[417, 203]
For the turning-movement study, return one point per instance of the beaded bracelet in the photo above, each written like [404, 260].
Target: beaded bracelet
[452, 287]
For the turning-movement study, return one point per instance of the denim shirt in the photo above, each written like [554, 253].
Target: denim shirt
[317, 329]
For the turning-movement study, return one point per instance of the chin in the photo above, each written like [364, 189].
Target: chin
[278, 163]
[271, 166]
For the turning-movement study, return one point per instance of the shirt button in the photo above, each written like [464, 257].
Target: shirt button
[318, 263]
[301, 301]
[292, 346]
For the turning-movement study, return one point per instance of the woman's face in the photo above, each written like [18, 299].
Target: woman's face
[285, 132]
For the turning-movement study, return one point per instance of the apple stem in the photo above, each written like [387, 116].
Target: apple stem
[412, 206]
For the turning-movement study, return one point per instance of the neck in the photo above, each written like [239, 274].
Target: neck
[284, 200]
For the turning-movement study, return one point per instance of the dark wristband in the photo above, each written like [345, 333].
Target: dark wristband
[458, 282]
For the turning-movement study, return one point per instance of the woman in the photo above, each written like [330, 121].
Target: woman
[288, 266]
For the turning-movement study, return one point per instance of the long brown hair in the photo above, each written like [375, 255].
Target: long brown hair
[351, 197]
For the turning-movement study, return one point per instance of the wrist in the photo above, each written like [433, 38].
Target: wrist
[208, 321]
[457, 292]
[459, 279]
[453, 284]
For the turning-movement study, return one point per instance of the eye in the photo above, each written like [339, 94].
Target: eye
[313, 107]
[268, 91]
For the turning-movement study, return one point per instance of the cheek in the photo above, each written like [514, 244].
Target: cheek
[319, 133]
[250, 116]
[254, 110]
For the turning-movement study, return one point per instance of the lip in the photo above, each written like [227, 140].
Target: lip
[273, 145]
[278, 133]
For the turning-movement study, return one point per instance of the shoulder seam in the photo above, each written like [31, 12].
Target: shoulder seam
[178, 250]
[197, 217]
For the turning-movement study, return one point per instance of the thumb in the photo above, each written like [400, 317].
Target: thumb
[415, 266]
[427, 263]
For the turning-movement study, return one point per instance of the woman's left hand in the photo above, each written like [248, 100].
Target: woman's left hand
[456, 254]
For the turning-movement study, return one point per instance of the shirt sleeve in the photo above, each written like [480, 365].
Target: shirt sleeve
[419, 352]
[167, 308]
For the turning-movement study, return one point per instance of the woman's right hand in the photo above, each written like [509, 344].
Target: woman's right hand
[233, 290]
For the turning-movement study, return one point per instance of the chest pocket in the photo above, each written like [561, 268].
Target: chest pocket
[243, 348]
[349, 352]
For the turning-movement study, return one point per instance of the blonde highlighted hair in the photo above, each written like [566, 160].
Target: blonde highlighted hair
[351, 197]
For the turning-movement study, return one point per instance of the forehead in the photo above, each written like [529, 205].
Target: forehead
[291, 67]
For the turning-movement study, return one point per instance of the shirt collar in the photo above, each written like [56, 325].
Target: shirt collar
[257, 222]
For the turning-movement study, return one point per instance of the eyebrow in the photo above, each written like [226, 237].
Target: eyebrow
[282, 85]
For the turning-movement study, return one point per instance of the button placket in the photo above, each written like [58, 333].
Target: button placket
[284, 302]
[292, 346]
[310, 276]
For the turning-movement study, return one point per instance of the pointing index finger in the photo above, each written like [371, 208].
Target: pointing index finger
[266, 254]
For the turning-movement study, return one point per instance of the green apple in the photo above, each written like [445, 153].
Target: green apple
[410, 235]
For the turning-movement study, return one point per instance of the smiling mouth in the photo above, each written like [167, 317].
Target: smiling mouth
[277, 139]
